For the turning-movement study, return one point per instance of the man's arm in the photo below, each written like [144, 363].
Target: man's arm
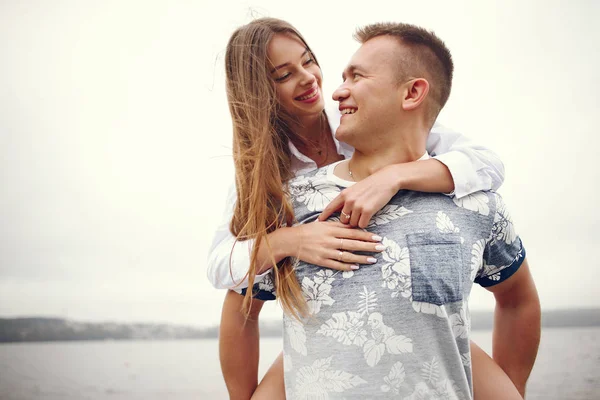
[517, 325]
[239, 346]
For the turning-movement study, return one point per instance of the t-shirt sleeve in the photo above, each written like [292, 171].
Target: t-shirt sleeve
[503, 252]
[263, 290]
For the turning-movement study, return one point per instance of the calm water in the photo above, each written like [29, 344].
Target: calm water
[568, 368]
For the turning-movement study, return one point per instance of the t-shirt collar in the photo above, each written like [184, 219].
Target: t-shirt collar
[345, 183]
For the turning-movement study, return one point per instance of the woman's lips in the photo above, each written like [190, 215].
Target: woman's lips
[309, 97]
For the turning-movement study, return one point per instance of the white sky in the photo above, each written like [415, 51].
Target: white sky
[115, 141]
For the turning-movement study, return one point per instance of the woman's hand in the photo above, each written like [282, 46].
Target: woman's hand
[331, 245]
[361, 201]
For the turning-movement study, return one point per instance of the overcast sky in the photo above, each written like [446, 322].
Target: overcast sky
[115, 141]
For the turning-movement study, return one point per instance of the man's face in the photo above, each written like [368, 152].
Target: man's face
[370, 98]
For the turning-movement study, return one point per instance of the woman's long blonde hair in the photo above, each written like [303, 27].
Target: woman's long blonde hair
[261, 131]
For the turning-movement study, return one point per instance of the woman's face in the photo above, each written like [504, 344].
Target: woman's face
[296, 75]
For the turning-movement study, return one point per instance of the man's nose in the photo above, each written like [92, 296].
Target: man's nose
[341, 93]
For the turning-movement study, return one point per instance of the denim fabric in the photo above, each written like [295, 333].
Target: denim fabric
[436, 267]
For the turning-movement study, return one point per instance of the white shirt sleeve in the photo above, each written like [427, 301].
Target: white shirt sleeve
[228, 259]
[473, 167]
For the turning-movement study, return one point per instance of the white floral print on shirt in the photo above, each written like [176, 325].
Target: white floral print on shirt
[395, 270]
[314, 193]
[296, 335]
[318, 380]
[383, 338]
[478, 202]
[461, 323]
[433, 386]
[388, 214]
[444, 224]
[316, 291]
[503, 228]
[349, 329]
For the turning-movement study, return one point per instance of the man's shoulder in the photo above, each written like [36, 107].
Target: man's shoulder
[483, 202]
[475, 209]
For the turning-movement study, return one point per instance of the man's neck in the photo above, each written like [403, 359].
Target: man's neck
[404, 145]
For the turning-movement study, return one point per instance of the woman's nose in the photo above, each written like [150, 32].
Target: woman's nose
[308, 78]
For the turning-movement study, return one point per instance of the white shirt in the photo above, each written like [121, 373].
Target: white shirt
[473, 168]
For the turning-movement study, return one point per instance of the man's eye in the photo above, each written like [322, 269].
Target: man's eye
[282, 78]
[356, 75]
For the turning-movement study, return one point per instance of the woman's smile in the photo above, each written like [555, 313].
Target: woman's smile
[309, 96]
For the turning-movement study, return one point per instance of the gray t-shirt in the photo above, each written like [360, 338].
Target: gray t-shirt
[399, 328]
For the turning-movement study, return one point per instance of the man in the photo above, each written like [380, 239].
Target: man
[400, 329]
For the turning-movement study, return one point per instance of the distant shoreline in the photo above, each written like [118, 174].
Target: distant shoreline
[36, 329]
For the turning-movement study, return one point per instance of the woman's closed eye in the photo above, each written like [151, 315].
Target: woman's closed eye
[305, 63]
[283, 77]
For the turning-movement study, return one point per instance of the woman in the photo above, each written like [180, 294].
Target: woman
[281, 129]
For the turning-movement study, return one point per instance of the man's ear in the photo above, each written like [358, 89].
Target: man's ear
[415, 92]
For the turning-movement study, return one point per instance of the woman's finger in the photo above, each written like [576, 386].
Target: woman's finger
[356, 234]
[358, 245]
[351, 258]
[364, 220]
[340, 266]
[356, 213]
[338, 224]
[345, 214]
[332, 207]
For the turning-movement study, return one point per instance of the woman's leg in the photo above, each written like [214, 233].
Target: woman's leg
[239, 346]
[490, 382]
[272, 385]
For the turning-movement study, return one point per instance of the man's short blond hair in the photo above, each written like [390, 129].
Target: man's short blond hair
[427, 57]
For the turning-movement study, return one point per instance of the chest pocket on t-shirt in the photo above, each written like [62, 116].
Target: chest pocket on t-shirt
[436, 267]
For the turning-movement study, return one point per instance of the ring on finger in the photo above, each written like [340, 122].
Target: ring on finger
[341, 256]
[346, 216]
[341, 243]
